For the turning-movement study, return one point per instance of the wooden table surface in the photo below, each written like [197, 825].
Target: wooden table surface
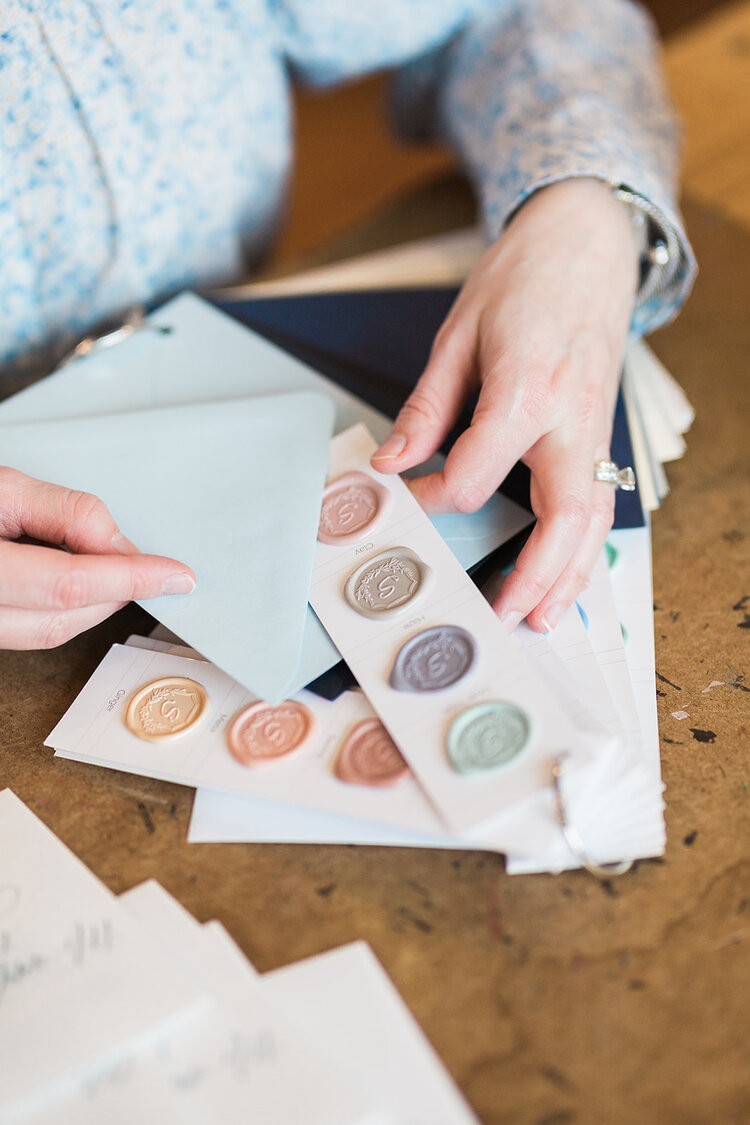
[553, 1000]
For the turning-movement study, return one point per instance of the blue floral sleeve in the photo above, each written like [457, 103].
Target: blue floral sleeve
[145, 144]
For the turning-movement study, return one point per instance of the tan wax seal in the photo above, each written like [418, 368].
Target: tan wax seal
[261, 733]
[165, 708]
[385, 585]
[369, 756]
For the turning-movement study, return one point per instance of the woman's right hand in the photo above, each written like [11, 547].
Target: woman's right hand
[48, 596]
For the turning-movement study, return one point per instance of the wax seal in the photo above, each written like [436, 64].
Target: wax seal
[353, 505]
[433, 659]
[164, 708]
[386, 584]
[369, 756]
[261, 732]
[487, 736]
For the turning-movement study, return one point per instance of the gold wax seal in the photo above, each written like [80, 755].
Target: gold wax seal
[164, 708]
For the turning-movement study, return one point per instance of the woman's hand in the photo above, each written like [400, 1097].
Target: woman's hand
[48, 596]
[539, 329]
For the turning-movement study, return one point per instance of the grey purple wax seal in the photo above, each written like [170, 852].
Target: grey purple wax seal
[387, 583]
[487, 736]
[433, 659]
[353, 505]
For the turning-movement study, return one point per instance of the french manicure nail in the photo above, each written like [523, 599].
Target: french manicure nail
[122, 545]
[552, 616]
[510, 619]
[178, 584]
[391, 448]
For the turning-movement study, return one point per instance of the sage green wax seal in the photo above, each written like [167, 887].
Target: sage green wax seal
[487, 736]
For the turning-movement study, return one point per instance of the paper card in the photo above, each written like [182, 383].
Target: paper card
[649, 473]
[442, 259]
[185, 482]
[605, 637]
[244, 1060]
[632, 590]
[673, 401]
[259, 1062]
[66, 943]
[630, 581]
[219, 818]
[411, 565]
[663, 436]
[346, 998]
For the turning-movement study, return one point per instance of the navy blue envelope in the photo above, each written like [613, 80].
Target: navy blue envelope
[376, 343]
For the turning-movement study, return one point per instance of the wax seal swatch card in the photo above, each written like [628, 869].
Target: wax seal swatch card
[464, 706]
[144, 709]
[185, 720]
[230, 488]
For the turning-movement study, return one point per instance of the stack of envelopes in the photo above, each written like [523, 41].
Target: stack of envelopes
[211, 445]
[100, 1024]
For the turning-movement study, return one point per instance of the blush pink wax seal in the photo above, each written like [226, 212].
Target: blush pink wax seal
[353, 505]
[369, 756]
[262, 733]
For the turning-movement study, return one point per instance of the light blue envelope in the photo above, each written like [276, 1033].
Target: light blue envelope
[197, 354]
[231, 488]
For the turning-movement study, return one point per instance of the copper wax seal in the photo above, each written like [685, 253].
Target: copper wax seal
[164, 708]
[262, 733]
[369, 756]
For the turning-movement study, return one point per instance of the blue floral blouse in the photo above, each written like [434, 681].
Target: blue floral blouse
[145, 144]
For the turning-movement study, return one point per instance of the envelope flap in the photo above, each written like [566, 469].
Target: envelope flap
[231, 488]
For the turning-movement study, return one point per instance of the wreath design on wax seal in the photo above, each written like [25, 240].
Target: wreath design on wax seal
[394, 567]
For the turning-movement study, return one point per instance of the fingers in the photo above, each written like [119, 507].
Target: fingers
[566, 529]
[479, 461]
[34, 629]
[576, 574]
[57, 515]
[37, 578]
[431, 410]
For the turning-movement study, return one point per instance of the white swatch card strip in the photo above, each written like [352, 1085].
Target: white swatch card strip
[370, 637]
[94, 730]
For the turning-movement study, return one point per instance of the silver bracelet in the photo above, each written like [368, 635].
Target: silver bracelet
[660, 247]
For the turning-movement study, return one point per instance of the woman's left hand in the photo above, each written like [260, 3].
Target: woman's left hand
[539, 328]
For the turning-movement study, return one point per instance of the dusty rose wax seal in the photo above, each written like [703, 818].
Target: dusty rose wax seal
[262, 733]
[353, 505]
[162, 709]
[369, 756]
[386, 584]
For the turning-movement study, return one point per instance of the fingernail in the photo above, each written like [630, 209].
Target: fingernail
[391, 447]
[552, 616]
[123, 546]
[510, 619]
[178, 584]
